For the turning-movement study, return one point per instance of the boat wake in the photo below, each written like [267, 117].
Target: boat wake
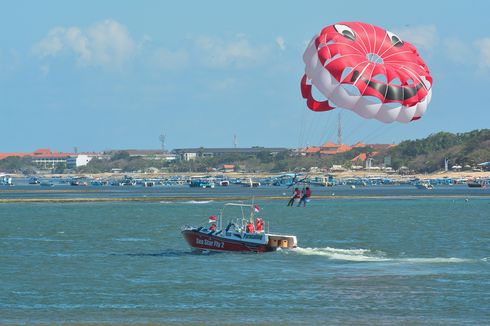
[197, 202]
[359, 255]
[132, 239]
[189, 202]
[366, 255]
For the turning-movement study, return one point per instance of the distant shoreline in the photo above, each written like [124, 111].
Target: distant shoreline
[344, 174]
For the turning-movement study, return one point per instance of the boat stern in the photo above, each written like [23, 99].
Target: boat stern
[282, 241]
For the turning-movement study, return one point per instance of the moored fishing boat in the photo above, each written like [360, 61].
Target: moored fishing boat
[477, 183]
[424, 185]
[242, 234]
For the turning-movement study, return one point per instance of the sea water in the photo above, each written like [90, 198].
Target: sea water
[379, 259]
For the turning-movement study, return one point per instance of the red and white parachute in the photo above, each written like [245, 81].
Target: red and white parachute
[368, 70]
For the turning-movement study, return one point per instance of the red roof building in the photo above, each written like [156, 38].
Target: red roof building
[44, 157]
[361, 157]
[330, 148]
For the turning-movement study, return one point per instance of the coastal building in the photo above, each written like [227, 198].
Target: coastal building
[227, 168]
[485, 166]
[330, 148]
[147, 154]
[360, 158]
[188, 154]
[78, 160]
[46, 159]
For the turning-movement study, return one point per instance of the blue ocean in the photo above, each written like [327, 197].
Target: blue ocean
[369, 256]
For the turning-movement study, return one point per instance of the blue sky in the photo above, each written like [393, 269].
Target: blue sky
[116, 74]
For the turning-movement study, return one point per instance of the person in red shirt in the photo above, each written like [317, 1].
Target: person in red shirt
[259, 225]
[296, 196]
[306, 196]
[212, 227]
[250, 227]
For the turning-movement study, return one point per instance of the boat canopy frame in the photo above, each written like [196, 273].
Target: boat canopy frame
[242, 205]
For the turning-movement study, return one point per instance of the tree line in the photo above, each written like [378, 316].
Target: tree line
[421, 155]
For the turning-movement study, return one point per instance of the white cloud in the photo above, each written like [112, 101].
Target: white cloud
[424, 37]
[483, 46]
[458, 51]
[106, 43]
[476, 53]
[281, 43]
[170, 60]
[51, 44]
[239, 52]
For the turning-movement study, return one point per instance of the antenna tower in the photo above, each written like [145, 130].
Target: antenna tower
[162, 141]
[235, 141]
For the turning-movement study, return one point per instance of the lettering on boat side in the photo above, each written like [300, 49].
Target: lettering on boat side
[253, 236]
[210, 243]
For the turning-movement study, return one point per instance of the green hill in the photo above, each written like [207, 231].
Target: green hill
[428, 154]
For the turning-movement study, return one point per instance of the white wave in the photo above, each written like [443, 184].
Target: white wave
[434, 260]
[198, 202]
[36, 239]
[166, 202]
[366, 255]
[342, 254]
[132, 239]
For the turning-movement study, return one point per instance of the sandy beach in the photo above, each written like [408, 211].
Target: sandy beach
[469, 175]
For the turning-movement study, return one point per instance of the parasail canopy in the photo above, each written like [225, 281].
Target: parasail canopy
[368, 70]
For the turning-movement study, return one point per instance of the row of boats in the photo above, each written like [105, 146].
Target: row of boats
[473, 183]
[222, 181]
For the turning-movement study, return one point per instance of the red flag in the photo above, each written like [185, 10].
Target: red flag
[212, 219]
[256, 208]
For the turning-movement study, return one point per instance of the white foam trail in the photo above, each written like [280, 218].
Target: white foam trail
[365, 255]
[132, 239]
[196, 202]
[434, 260]
[36, 239]
[190, 202]
[341, 254]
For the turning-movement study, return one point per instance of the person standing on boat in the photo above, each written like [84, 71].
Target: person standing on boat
[212, 227]
[250, 227]
[259, 224]
[296, 196]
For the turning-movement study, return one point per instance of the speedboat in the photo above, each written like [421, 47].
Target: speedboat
[477, 183]
[46, 184]
[424, 185]
[242, 234]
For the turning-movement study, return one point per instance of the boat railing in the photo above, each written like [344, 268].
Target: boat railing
[187, 227]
